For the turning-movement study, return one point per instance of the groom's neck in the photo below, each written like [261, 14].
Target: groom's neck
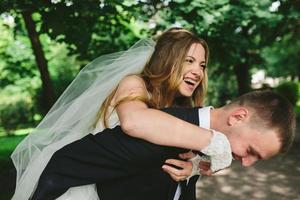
[218, 119]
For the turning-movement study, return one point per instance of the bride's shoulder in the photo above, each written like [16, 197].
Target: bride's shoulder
[132, 81]
[130, 86]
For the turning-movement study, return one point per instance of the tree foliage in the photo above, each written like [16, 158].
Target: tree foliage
[237, 32]
[242, 35]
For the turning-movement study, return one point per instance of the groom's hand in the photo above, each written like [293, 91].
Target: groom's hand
[179, 170]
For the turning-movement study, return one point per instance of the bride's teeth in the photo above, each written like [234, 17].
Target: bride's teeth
[189, 82]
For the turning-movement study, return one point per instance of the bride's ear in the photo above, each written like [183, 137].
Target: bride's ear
[238, 115]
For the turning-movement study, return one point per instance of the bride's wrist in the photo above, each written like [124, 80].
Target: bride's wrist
[219, 151]
[217, 142]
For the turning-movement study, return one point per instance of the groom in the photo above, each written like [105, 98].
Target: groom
[258, 125]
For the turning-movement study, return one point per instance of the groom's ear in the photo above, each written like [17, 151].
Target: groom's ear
[238, 115]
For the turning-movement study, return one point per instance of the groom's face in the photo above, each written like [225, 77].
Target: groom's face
[250, 144]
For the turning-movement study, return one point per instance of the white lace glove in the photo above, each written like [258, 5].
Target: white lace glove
[219, 151]
[196, 161]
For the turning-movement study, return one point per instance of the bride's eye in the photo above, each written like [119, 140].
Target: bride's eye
[189, 60]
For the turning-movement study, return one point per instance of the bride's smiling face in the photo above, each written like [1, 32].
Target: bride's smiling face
[193, 70]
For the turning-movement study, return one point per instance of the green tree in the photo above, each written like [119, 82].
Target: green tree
[23, 10]
[20, 83]
[282, 58]
[235, 31]
[90, 28]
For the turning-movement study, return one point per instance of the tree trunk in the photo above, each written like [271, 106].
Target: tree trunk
[243, 78]
[48, 92]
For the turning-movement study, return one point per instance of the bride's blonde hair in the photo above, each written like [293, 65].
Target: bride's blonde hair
[162, 74]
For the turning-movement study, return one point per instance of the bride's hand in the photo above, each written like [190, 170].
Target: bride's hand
[205, 168]
[200, 166]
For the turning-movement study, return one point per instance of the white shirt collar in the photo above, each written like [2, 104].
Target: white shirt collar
[204, 117]
[204, 122]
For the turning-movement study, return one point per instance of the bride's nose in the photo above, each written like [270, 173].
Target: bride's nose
[196, 71]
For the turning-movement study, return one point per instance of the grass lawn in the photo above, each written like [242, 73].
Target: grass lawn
[7, 171]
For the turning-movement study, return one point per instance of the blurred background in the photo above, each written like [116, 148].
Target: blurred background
[253, 45]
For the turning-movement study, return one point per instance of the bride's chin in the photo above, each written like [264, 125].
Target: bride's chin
[186, 95]
[184, 92]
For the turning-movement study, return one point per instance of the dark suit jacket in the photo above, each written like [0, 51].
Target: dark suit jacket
[123, 167]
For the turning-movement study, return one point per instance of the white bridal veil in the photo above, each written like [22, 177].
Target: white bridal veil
[73, 115]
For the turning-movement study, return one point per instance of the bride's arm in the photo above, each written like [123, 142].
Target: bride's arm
[152, 125]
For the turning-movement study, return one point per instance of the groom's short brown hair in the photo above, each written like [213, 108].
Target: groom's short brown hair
[271, 111]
